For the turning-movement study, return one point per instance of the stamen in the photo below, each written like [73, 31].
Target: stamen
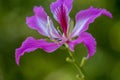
[70, 28]
[58, 29]
[57, 39]
[51, 32]
[48, 27]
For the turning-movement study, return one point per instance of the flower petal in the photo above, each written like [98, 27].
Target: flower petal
[85, 17]
[88, 41]
[40, 22]
[30, 44]
[60, 10]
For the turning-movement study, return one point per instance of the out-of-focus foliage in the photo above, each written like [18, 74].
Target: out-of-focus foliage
[39, 65]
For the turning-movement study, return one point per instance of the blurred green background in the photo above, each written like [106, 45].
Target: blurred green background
[39, 65]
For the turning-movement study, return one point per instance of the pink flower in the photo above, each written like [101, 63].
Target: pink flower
[44, 25]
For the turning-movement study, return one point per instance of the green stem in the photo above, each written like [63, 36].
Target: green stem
[81, 75]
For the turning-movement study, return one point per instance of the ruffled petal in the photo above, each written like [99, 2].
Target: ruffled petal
[61, 10]
[30, 44]
[40, 21]
[85, 17]
[87, 40]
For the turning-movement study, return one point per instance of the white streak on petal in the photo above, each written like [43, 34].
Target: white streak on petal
[42, 23]
[78, 27]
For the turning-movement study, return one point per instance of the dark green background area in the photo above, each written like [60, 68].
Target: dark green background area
[39, 65]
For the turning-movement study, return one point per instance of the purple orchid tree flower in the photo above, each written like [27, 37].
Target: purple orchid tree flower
[68, 33]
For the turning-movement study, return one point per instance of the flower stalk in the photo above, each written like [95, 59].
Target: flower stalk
[72, 60]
